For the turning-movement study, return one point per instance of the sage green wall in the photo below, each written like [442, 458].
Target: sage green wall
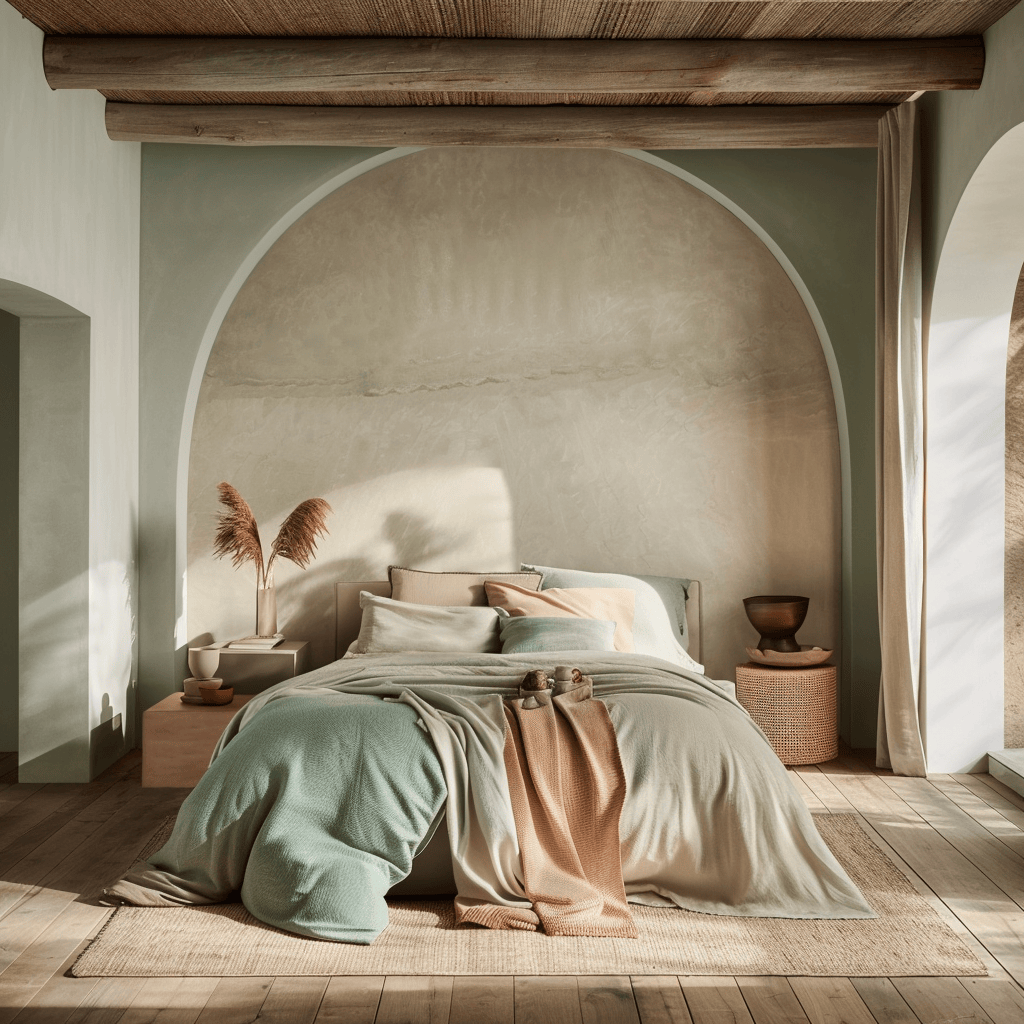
[204, 209]
[9, 372]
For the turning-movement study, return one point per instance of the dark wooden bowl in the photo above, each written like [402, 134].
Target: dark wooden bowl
[216, 694]
[777, 617]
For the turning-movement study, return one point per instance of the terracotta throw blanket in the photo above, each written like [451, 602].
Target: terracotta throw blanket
[567, 787]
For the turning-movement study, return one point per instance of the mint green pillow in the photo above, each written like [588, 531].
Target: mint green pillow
[522, 634]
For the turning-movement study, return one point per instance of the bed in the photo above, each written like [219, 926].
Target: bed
[385, 773]
[431, 873]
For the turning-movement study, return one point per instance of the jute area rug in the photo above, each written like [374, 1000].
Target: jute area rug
[907, 939]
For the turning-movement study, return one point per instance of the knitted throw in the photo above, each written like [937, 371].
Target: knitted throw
[567, 787]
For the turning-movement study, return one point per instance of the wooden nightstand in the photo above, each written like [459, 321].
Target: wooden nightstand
[178, 739]
[795, 708]
[253, 671]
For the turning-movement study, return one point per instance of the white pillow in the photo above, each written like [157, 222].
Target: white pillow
[399, 627]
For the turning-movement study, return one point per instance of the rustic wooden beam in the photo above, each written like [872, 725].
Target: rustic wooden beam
[746, 127]
[194, 64]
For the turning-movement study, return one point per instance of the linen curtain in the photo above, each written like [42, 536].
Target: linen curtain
[899, 443]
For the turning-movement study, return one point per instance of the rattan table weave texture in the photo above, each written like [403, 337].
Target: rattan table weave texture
[795, 708]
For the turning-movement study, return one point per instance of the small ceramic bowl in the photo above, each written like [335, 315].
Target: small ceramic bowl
[217, 694]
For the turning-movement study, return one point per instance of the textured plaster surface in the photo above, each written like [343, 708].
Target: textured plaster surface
[69, 245]
[9, 341]
[1013, 612]
[481, 356]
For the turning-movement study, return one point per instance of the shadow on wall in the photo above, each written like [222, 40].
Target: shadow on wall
[67, 734]
[54, 691]
[441, 518]
[112, 641]
[106, 740]
[416, 543]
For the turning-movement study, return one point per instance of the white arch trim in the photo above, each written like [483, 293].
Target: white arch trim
[288, 219]
[220, 311]
[968, 333]
[846, 535]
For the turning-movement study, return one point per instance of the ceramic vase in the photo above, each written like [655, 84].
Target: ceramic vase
[266, 611]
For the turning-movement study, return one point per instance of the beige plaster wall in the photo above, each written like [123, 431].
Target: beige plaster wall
[1013, 579]
[481, 356]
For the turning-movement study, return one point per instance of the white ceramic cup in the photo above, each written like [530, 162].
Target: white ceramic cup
[203, 662]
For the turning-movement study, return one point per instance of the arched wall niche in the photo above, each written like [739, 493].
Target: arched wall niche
[968, 330]
[486, 296]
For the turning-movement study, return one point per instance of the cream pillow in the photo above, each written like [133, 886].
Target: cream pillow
[395, 627]
[451, 589]
[612, 603]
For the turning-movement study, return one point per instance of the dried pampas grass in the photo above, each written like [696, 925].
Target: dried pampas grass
[239, 536]
[296, 540]
[237, 532]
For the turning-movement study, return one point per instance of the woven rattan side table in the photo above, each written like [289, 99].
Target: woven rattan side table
[795, 708]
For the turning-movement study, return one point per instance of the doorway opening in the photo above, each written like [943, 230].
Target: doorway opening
[44, 536]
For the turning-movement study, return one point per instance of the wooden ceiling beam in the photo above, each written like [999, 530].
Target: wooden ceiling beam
[196, 64]
[743, 127]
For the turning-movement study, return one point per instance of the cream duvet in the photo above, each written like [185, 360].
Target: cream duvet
[325, 787]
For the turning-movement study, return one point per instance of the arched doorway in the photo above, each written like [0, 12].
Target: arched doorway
[968, 328]
[44, 622]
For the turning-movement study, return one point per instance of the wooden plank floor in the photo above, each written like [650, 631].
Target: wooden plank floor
[959, 838]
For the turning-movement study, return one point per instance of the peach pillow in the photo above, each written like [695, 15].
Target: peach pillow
[578, 602]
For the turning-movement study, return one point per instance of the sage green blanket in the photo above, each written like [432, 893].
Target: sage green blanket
[324, 788]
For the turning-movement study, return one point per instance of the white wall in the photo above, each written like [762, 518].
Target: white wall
[69, 229]
[973, 240]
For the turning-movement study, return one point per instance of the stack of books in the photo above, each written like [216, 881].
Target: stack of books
[255, 643]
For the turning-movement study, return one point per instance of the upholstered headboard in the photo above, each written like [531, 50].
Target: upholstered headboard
[348, 615]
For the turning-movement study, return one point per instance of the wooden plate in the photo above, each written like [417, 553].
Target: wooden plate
[789, 659]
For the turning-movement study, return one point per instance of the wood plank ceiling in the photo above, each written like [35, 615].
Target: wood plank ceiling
[433, 21]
